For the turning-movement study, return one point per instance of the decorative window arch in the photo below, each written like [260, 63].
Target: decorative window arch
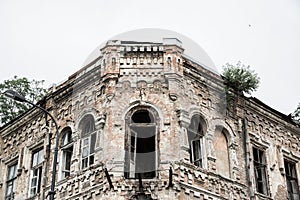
[67, 151]
[195, 132]
[66, 136]
[222, 151]
[141, 143]
[88, 140]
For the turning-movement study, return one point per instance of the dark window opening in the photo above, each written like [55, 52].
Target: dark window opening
[145, 152]
[113, 61]
[196, 153]
[141, 142]
[142, 116]
[102, 90]
[291, 180]
[169, 60]
[260, 171]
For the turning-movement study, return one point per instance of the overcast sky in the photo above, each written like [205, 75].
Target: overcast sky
[50, 40]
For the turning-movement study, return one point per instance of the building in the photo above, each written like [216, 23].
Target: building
[143, 120]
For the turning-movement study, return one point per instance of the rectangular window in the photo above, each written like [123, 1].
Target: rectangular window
[142, 151]
[196, 152]
[67, 156]
[67, 151]
[36, 172]
[11, 182]
[291, 180]
[133, 142]
[88, 150]
[260, 171]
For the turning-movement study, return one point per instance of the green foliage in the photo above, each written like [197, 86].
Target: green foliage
[240, 78]
[296, 115]
[32, 90]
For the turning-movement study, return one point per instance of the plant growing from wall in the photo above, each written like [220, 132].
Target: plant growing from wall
[296, 115]
[31, 89]
[238, 80]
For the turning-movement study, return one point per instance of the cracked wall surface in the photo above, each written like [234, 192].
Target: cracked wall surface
[128, 76]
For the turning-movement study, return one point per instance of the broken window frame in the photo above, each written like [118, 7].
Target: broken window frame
[133, 145]
[11, 182]
[36, 172]
[195, 136]
[260, 171]
[291, 180]
[67, 152]
[196, 152]
[132, 142]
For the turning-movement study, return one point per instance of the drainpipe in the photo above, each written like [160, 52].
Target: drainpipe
[247, 157]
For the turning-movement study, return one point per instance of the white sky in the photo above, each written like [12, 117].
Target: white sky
[50, 40]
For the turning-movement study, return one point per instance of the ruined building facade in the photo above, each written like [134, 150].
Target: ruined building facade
[143, 120]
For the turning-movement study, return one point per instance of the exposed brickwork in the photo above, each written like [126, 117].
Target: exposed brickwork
[158, 77]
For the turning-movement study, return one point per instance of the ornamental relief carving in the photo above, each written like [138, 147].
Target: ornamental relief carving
[213, 183]
[267, 132]
[142, 88]
[33, 132]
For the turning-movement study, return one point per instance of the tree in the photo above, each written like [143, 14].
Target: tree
[31, 89]
[296, 115]
[240, 78]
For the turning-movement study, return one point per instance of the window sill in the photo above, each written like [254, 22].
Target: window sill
[136, 180]
[66, 146]
[262, 196]
[62, 181]
[91, 167]
[98, 149]
[34, 197]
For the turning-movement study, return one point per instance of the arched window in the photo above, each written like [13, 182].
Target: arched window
[141, 145]
[87, 125]
[66, 136]
[113, 61]
[195, 136]
[67, 151]
[222, 153]
[88, 140]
